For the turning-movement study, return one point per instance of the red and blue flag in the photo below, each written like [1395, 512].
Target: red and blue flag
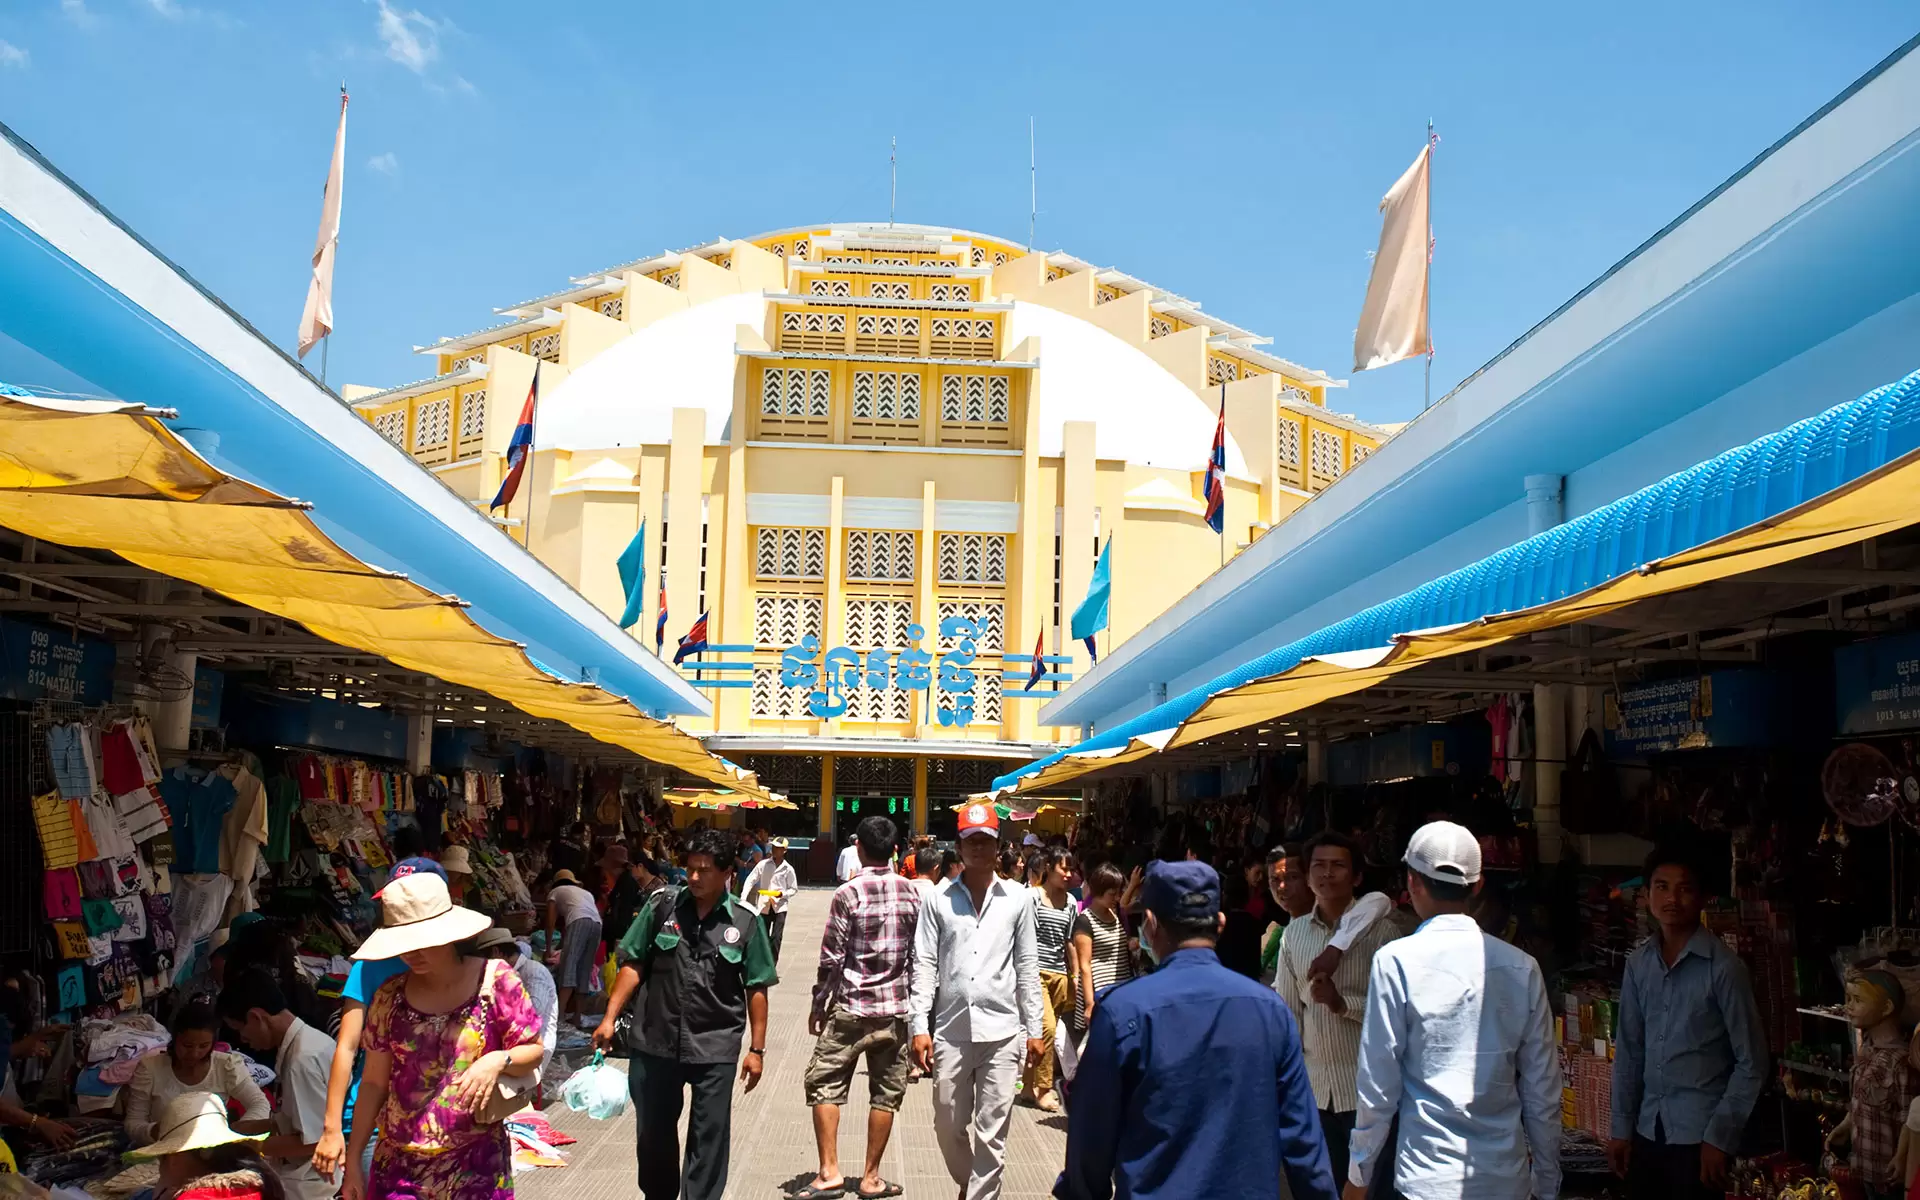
[1039, 663]
[519, 448]
[660, 622]
[694, 642]
[1216, 482]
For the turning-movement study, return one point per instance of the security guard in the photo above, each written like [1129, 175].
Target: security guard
[707, 964]
[1191, 1082]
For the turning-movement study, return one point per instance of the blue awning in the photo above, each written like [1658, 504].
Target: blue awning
[1710, 500]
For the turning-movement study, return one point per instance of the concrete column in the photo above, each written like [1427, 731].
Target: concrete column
[686, 464]
[173, 719]
[920, 795]
[825, 824]
[1316, 759]
[419, 743]
[1546, 508]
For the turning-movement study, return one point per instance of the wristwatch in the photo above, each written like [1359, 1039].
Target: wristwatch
[762, 1053]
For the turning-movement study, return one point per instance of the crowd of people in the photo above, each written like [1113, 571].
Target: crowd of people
[1227, 1033]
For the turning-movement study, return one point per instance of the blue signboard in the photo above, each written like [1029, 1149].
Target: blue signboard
[40, 662]
[1876, 685]
[836, 675]
[1719, 708]
[209, 686]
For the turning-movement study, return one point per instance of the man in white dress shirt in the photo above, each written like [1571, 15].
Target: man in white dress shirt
[255, 1008]
[1458, 1042]
[975, 1005]
[774, 875]
[848, 864]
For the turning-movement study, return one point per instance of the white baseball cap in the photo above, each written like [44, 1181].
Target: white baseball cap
[1444, 851]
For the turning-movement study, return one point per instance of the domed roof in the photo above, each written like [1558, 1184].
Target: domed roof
[625, 396]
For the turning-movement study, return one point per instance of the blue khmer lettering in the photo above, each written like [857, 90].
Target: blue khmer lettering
[834, 677]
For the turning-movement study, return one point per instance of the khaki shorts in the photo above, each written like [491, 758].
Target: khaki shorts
[884, 1042]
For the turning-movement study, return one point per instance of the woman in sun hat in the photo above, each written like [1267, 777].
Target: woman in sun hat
[202, 1158]
[437, 1040]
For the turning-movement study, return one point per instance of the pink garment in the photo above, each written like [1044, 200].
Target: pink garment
[1500, 716]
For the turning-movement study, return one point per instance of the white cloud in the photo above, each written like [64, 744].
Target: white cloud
[411, 38]
[386, 164]
[76, 11]
[12, 55]
[169, 9]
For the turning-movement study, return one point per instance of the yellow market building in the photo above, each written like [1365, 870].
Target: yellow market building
[853, 433]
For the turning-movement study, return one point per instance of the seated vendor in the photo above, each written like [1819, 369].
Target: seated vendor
[191, 1064]
[14, 1018]
[254, 1006]
[202, 1158]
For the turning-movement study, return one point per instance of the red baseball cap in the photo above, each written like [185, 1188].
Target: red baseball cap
[981, 819]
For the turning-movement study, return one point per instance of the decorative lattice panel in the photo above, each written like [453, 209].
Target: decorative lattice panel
[773, 700]
[813, 331]
[1286, 442]
[614, 307]
[878, 623]
[986, 693]
[1159, 327]
[1296, 395]
[880, 555]
[972, 558]
[392, 426]
[832, 288]
[1325, 452]
[1360, 451]
[990, 615]
[952, 293]
[895, 290]
[471, 360]
[877, 776]
[780, 621]
[432, 424]
[802, 248]
[1221, 370]
[784, 552]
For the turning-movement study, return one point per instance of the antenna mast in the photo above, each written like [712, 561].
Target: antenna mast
[1033, 185]
[893, 178]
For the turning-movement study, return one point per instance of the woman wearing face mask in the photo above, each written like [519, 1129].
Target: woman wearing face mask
[191, 1064]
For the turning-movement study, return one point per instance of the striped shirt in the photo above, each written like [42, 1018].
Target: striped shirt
[1330, 1043]
[1111, 962]
[1051, 929]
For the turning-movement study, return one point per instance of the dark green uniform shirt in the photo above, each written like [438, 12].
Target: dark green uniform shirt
[696, 975]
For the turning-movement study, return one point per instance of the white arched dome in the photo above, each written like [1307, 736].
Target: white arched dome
[1141, 412]
[626, 394]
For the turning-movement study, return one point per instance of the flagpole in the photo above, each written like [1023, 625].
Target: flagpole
[1428, 317]
[533, 426]
[1223, 473]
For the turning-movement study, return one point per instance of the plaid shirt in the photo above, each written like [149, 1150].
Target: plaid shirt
[866, 956]
[1883, 1086]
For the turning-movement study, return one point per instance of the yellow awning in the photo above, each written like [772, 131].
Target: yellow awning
[1878, 502]
[726, 798]
[114, 477]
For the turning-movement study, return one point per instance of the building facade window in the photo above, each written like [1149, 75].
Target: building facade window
[546, 347]
[973, 558]
[1286, 442]
[881, 556]
[1325, 459]
[392, 426]
[781, 619]
[772, 700]
[785, 552]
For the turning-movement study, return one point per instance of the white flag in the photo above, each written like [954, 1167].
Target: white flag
[316, 321]
[1393, 322]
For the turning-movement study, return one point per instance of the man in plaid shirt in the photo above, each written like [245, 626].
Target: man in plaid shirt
[860, 1008]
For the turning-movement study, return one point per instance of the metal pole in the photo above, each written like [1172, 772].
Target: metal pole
[893, 178]
[1033, 185]
[532, 463]
[326, 344]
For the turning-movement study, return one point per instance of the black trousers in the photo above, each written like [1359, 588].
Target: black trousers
[658, 1087]
[1663, 1170]
[1337, 1129]
[776, 927]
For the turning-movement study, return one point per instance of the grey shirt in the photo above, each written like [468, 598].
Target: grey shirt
[975, 975]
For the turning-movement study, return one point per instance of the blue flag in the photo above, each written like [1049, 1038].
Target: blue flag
[633, 576]
[1091, 617]
[1216, 479]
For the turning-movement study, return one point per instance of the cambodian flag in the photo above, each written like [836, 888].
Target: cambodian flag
[1216, 483]
[694, 642]
[1039, 664]
[660, 623]
[518, 448]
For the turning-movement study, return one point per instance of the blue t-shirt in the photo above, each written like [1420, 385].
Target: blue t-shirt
[199, 809]
[362, 982]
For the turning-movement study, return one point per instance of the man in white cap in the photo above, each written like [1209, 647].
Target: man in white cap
[1458, 1044]
[769, 885]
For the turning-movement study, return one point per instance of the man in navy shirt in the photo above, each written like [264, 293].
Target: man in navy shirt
[1192, 1083]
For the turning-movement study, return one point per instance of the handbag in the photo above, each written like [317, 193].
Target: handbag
[514, 1089]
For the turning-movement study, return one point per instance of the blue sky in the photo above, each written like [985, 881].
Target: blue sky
[1232, 153]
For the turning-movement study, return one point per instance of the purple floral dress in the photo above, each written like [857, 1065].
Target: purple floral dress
[428, 1149]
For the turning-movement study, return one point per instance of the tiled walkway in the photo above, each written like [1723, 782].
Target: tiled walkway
[772, 1128]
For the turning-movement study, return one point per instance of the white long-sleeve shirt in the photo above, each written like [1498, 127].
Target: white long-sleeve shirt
[1458, 1041]
[976, 976]
[769, 876]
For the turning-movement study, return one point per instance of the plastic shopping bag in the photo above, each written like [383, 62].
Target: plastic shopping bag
[1065, 1051]
[597, 1090]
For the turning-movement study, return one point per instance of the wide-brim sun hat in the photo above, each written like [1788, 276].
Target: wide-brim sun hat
[493, 938]
[565, 876]
[191, 1121]
[454, 860]
[418, 913]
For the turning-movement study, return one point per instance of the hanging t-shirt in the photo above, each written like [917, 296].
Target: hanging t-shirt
[62, 891]
[283, 799]
[53, 818]
[70, 755]
[110, 837]
[119, 761]
[199, 811]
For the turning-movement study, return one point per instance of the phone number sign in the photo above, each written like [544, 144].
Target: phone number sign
[40, 662]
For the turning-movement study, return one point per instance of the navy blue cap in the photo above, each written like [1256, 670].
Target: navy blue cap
[414, 866]
[1182, 891]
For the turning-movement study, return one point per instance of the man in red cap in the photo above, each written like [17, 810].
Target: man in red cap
[975, 1006]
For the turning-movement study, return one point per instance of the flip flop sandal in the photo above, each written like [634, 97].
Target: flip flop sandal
[891, 1189]
[813, 1193]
